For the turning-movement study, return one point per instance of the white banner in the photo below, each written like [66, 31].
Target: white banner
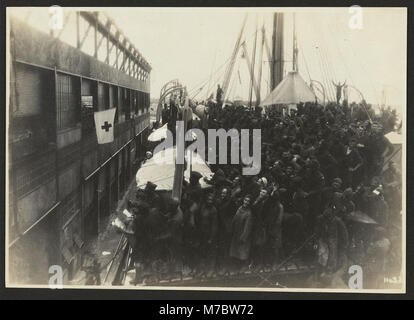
[104, 124]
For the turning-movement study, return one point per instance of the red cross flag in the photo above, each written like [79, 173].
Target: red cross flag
[104, 124]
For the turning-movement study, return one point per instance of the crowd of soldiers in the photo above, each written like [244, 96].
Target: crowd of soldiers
[324, 195]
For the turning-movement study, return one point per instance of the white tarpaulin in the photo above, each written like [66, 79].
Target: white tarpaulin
[291, 90]
[163, 174]
[158, 134]
[161, 133]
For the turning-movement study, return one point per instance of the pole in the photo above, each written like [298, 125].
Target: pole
[230, 67]
[273, 60]
[211, 76]
[295, 45]
[252, 67]
[180, 168]
[248, 62]
[276, 65]
[259, 80]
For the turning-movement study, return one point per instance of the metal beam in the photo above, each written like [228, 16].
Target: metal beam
[107, 47]
[110, 48]
[118, 52]
[84, 36]
[100, 42]
[123, 56]
[96, 35]
[102, 28]
[77, 30]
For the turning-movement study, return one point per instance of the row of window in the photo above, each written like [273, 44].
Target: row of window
[36, 112]
[90, 96]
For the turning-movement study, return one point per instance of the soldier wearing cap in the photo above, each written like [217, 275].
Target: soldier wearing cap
[194, 186]
[149, 196]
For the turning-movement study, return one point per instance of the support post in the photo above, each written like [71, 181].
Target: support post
[252, 67]
[259, 80]
[248, 62]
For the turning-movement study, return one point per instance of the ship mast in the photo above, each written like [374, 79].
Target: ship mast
[252, 68]
[276, 65]
[259, 81]
[295, 46]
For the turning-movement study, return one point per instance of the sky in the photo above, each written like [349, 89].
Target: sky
[194, 45]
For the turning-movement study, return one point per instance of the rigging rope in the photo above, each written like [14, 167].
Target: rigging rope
[204, 82]
[363, 102]
[327, 54]
[329, 70]
[211, 75]
[306, 63]
[359, 59]
[330, 73]
[328, 88]
[324, 77]
[348, 73]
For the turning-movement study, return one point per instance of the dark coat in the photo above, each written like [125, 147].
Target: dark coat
[241, 234]
[207, 224]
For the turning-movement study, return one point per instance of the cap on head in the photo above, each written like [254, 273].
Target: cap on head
[195, 176]
[263, 181]
[150, 186]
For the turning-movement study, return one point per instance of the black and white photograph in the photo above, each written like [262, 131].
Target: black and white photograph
[190, 148]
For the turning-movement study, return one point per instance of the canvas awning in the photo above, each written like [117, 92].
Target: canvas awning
[158, 134]
[291, 90]
[161, 133]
